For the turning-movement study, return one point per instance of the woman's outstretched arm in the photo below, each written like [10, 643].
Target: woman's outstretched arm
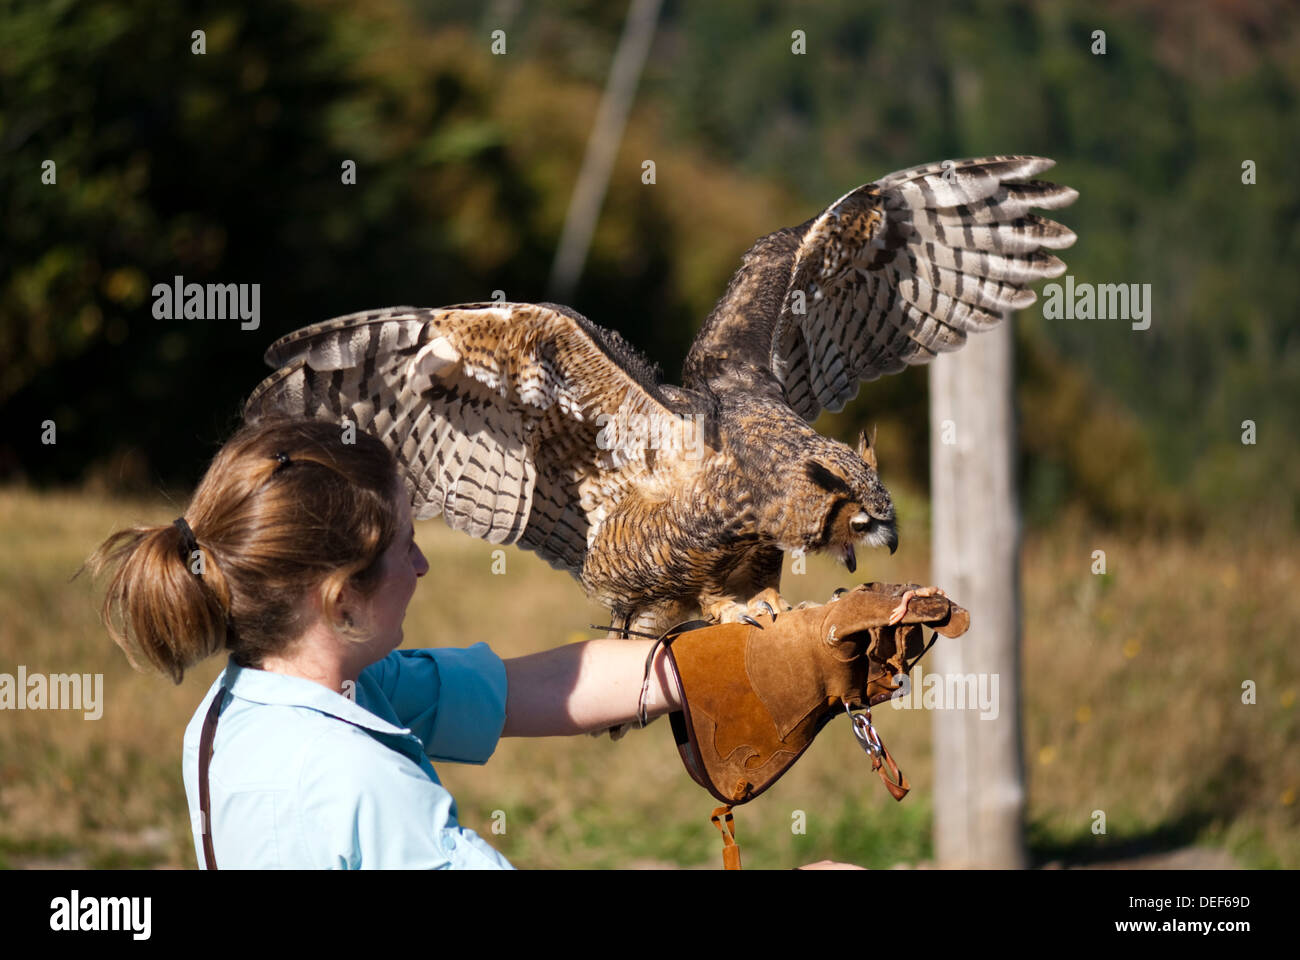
[582, 687]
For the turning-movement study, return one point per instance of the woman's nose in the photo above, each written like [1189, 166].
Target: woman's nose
[421, 563]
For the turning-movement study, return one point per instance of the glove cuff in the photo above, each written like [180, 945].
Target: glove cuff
[729, 740]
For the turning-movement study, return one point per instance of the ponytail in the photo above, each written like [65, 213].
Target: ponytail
[161, 607]
[286, 507]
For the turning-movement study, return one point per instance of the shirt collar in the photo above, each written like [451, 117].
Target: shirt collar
[264, 686]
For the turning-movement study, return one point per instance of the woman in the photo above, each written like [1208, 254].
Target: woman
[297, 555]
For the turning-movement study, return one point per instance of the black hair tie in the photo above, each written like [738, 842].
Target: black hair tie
[188, 543]
[282, 459]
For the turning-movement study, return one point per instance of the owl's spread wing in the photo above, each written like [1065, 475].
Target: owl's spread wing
[893, 273]
[494, 410]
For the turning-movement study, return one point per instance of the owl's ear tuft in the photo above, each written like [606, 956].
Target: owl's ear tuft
[867, 447]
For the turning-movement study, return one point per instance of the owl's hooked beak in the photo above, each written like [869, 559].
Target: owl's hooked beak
[891, 537]
[872, 531]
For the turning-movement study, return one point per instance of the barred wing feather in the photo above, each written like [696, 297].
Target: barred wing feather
[492, 409]
[893, 273]
[900, 270]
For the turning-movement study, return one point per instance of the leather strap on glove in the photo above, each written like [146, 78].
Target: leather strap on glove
[753, 699]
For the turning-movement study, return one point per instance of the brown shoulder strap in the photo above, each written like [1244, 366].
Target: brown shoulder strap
[205, 758]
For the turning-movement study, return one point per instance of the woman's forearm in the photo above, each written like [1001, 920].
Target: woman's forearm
[584, 686]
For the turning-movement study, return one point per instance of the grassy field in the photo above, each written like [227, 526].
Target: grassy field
[1133, 705]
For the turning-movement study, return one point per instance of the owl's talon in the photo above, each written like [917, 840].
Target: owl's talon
[836, 595]
[767, 603]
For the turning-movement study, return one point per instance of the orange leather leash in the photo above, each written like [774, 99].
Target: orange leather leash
[730, 849]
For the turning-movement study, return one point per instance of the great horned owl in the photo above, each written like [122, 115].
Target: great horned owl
[529, 424]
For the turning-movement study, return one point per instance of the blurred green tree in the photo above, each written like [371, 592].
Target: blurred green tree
[226, 167]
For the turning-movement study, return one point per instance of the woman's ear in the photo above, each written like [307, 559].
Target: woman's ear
[344, 605]
[349, 608]
[335, 605]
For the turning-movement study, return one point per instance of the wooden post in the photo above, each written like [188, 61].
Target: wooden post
[979, 781]
[598, 162]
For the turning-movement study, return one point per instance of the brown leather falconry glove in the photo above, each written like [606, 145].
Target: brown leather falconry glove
[753, 699]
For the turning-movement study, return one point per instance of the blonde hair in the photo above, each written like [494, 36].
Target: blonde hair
[285, 507]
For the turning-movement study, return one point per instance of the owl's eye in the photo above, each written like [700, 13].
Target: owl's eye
[860, 523]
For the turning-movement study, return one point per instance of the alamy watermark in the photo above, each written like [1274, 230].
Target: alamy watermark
[628, 433]
[948, 691]
[55, 691]
[179, 300]
[1098, 301]
[76, 913]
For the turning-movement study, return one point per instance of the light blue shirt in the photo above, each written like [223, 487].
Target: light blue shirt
[302, 777]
